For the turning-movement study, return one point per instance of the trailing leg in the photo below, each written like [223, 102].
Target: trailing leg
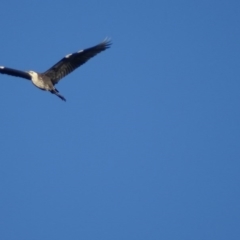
[55, 91]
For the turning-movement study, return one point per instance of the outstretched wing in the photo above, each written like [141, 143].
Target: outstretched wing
[14, 72]
[72, 61]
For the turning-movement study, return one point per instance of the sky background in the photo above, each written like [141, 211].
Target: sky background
[147, 144]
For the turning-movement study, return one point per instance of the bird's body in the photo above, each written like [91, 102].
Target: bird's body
[41, 81]
[47, 80]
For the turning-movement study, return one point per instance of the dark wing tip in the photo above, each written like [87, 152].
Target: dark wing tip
[106, 43]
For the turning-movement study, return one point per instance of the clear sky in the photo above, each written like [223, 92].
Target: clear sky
[147, 145]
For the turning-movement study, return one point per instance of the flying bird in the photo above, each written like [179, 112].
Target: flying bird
[46, 81]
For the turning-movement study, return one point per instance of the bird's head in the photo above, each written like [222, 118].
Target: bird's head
[32, 74]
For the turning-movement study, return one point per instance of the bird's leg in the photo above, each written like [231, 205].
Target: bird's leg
[55, 91]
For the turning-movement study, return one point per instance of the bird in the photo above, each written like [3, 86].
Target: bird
[47, 80]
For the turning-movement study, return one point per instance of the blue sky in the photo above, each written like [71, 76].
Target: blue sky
[147, 144]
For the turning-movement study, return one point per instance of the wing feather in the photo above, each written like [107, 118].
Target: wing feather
[14, 72]
[72, 61]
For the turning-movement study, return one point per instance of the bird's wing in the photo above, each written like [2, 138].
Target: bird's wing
[72, 61]
[14, 72]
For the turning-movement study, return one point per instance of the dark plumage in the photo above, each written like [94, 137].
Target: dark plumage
[66, 65]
